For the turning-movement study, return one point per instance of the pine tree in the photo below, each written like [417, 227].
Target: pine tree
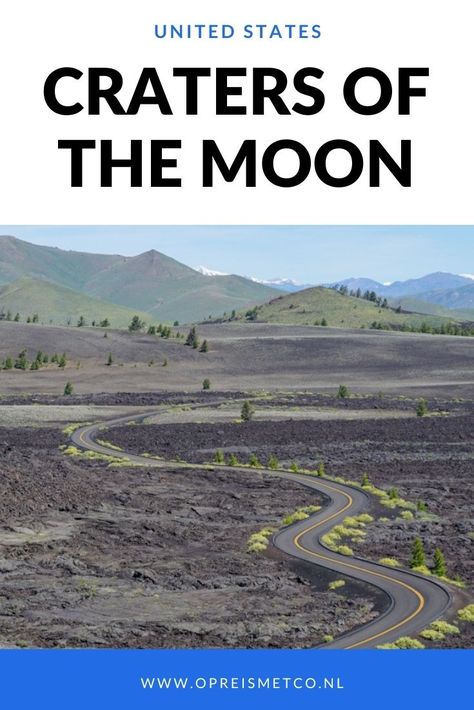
[62, 361]
[439, 564]
[17, 318]
[81, 322]
[136, 324]
[254, 462]
[273, 462]
[342, 392]
[321, 469]
[8, 364]
[204, 347]
[110, 360]
[418, 558]
[219, 456]
[246, 412]
[422, 408]
[68, 389]
[192, 340]
[206, 384]
[365, 481]
[233, 461]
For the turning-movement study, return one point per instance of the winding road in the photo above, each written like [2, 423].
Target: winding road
[414, 600]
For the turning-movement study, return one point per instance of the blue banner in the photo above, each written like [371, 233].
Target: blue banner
[99, 679]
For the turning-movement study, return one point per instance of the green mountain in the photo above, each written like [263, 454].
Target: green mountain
[60, 305]
[419, 306]
[312, 305]
[150, 282]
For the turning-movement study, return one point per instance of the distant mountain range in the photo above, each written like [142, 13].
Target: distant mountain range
[61, 285]
[150, 283]
[451, 291]
[281, 284]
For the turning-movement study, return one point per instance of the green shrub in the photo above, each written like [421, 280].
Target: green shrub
[254, 461]
[404, 642]
[256, 547]
[273, 463]
[389, 562]
[206, 384]
[432, 635]
[342, 392]
[444, 627]
[294, 468]
[68, 388]
[337, 584]
[295, 517]
[232, 460]
[467, 613]
[344, 550]
[407, 515]
[219, 456]
[327, 638]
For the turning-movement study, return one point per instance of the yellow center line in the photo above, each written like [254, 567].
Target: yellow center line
[296, 541]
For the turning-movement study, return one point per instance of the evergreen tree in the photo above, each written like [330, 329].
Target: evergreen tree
[68, 388]
[136, 325]
[17, 318]
[219, 456]
[365, 480]
[321, 469]
[324, 321]
[206, 384]
[191, 339]
[62, 361]
[273, 463]
[81, 322]
[439, 564]
[105, 323]
[204, 347]
[21, 363]
[422, 408]
[8, 364]
[418, 558]
[247, 412]
[110, 360]
[342, 392]
[233, 461]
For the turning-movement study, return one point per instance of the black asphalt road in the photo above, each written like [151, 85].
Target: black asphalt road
[415, 600]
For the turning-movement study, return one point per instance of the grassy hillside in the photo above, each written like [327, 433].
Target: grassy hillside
[311, 306]
[68, 268]
[59, 305]
[150, 282]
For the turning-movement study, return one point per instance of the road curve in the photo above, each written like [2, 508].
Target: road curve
[414, 600]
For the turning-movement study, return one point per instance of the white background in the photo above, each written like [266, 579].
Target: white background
[37, 37]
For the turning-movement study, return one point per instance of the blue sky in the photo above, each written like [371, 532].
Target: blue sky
[309, 254]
